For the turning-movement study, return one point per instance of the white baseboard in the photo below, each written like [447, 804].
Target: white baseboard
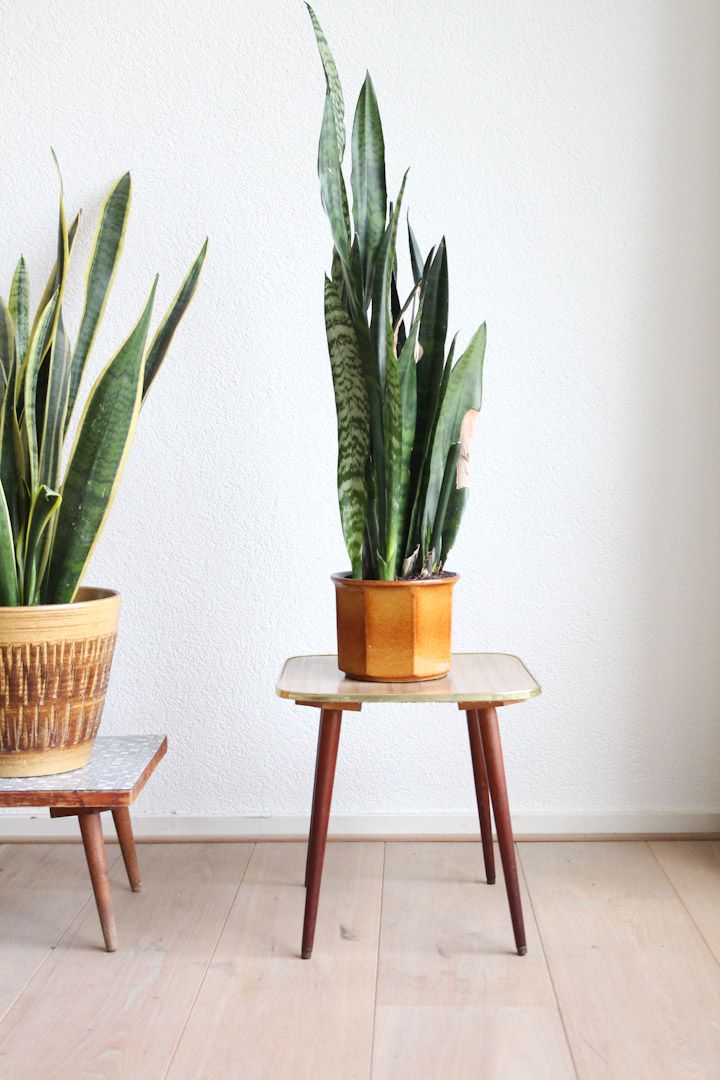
[37, 825]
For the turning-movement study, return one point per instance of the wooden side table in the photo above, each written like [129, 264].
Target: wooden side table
[116, 774]
[479, 683]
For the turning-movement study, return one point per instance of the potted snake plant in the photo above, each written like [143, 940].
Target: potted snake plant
[405, 410]
[57, 638]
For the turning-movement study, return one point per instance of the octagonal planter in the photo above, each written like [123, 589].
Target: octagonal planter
[394, 631]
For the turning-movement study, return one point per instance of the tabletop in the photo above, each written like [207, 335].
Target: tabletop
[473, 677]
[117, 771]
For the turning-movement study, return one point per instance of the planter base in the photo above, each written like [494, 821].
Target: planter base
[395, 679]
[18, 763]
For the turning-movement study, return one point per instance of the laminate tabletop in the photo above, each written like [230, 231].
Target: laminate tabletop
[117, 771]
[499, 678]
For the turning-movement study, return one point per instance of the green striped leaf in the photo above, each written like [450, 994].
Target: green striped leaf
[368, 180]
[45, 504]
[332, 79]
[463, 394]
[171, 320]
[453, 517]
[10, 469]
[58, 384]
[97, 461]
[39, 344]
[20, 308]
[447, 486]
[353, 421]
[8, 571]
[99, 276]
[416, 259]
[395, 478]
[332, 187]
[382, 324]
[51, 283]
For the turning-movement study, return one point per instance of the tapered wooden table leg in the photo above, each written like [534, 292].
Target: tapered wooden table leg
[492, 748]
[312, 810]
[94, 844]
[123, 828]
[482, 793]
[329, 738]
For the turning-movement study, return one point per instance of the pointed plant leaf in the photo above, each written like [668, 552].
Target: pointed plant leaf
[446, 488]
[8, 572]
[416, 259]
[57, 394]
[44, 505]
[368, 179]
[464, 393]
[97, 461]
[352, 419]
[332, 187]
[20, 308]
[99, 276]
[51, 283]
[171, 320]
[332, 79]
[10, 469]
[40, 341]
[382, 324]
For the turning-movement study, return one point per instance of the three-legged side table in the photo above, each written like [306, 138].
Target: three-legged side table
[478, 683]
[113, 778]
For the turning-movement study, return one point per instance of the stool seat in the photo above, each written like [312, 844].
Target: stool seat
[477, 677]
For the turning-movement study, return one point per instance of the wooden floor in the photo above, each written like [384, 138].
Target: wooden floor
[413, 977]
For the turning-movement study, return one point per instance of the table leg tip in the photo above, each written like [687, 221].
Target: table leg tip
[522, 950]
[491, 880]
[137, 887]
[306, 954]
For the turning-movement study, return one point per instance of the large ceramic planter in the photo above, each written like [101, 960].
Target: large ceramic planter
[54, 668]
[394, 631]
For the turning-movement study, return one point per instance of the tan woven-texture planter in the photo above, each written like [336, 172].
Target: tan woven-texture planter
[54, 668]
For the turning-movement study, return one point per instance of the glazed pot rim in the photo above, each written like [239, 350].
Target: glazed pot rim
[88, 596]
[345, 577]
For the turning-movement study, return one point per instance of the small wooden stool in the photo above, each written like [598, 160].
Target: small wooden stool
[116, 774]
[479, 683]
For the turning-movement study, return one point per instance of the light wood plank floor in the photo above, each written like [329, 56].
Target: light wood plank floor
[413, 976]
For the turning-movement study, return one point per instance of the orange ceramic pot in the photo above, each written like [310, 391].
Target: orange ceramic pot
[394, 631]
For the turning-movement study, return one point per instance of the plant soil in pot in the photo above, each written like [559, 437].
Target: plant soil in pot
[406, 409]
[57, 640]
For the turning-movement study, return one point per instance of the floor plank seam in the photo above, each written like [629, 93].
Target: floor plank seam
[547, 965]
[686, 909]
[55, 945]
[203, 977]
[377, 966]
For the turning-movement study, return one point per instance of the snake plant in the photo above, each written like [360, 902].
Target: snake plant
[50, 516]
[405, 408]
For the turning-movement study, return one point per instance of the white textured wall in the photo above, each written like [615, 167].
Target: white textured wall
[570, 151]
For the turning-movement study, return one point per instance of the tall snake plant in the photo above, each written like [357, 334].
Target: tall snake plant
[50, 520]
[405, 409]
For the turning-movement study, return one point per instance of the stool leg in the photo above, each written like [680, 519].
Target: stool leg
[492, 748]
[123, 828]
[330, 720]
[482, 793]
[312, 809]
[94, 844]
